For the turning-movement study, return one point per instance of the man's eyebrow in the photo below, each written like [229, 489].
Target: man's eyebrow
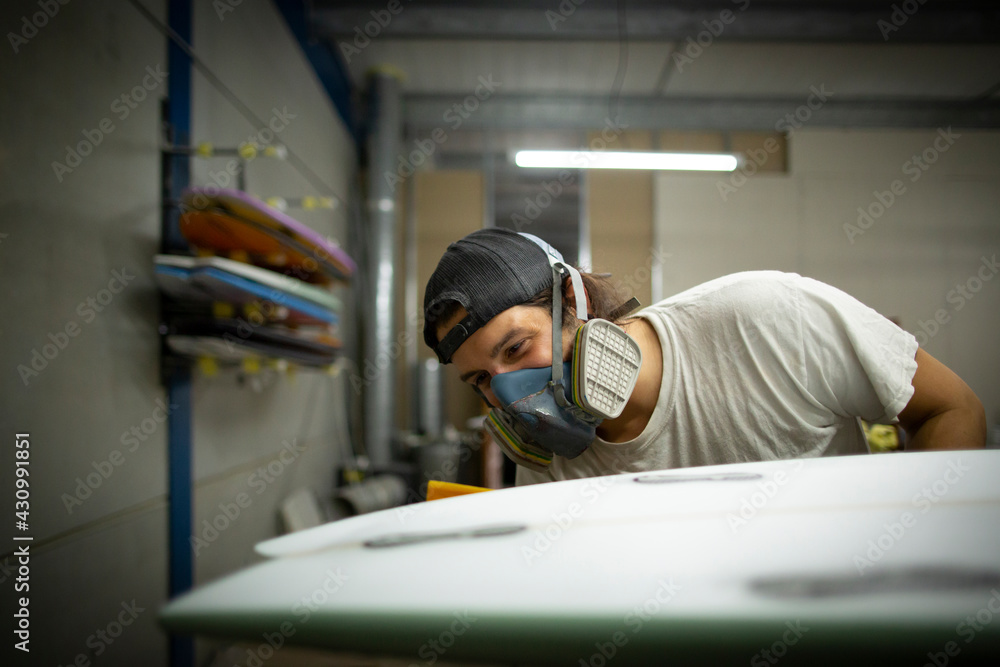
[513, 333]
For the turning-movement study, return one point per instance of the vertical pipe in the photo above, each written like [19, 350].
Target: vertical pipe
[489, 181]
[177, 176]
[429, 398]
[411, 306]
[656, 270]
[181, 503]
[383, 147]
[583, 258]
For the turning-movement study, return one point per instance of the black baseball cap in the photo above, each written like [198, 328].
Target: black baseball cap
[487, 272]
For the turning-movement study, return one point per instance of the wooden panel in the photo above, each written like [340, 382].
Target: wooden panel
[449, 205]
[621, 224]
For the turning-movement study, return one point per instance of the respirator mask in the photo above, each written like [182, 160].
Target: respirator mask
[556, 411]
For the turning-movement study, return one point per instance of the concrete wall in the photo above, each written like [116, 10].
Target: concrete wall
[88, 232]
[910, 257]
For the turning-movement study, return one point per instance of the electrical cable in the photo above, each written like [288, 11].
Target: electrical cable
[245, 111]
[614, 104]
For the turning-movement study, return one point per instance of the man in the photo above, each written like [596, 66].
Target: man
[753, 366]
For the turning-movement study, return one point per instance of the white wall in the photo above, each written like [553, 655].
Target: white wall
[60, 243]
[907, 263]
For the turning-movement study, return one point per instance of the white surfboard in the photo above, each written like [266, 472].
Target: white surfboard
[871, 559]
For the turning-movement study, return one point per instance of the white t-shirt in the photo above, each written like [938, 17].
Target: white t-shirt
[756, 366]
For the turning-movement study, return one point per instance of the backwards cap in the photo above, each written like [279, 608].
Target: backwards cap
[487, 272]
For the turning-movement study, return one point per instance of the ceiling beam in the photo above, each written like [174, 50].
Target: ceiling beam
[904, 21]
[427, 112]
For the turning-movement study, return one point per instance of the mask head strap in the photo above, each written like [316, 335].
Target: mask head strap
[559, 269]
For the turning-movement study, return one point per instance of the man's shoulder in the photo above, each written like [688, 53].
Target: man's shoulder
[741, 290]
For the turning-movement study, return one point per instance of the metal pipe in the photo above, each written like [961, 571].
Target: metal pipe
[411, 305]
[584, 260]
[383, 148]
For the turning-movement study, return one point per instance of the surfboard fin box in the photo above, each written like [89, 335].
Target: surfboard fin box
[403, 539]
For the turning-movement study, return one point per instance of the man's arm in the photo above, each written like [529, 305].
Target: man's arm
[944, 412]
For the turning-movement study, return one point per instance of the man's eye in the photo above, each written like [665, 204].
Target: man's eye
[481, 378]
[512, 350]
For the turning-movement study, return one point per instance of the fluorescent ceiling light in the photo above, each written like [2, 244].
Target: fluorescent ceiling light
[626, 160]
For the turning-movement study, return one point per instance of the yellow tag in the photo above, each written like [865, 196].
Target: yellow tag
[208, 366]
[253, 312]
[277, 202]
[247, 151]
[353, 476]
[222, 309]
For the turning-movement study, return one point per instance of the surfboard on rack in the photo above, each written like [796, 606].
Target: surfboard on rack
[232, 340]
[872, 559]
[220, 279]
[230, 221]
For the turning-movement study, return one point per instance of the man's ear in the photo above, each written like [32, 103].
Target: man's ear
[571, 297]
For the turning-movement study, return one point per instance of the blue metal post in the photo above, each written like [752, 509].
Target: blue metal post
[178, 379]
[325, 61]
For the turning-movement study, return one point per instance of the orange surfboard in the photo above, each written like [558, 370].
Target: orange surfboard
[232, 222]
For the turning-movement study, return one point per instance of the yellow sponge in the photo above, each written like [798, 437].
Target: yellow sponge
[437, 490]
